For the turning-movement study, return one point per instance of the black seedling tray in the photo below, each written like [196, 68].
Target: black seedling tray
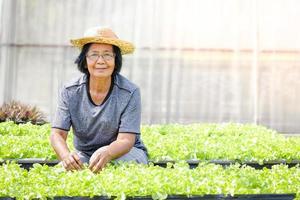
[198, 197]
[28, 163]
[268, 164]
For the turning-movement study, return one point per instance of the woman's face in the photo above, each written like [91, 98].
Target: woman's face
[100, 60]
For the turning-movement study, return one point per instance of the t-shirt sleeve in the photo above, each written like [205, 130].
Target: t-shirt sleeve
[62, 118]
[131, 117]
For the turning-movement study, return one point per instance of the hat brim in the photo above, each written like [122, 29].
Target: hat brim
[125, 47]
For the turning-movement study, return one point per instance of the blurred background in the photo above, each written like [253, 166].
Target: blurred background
[195, 60]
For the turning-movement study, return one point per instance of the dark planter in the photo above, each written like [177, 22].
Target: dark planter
[178, 197]
[83, 198]
[204, 197]
[40, 123]
[27, 163]
[263, 197]
[268, 164]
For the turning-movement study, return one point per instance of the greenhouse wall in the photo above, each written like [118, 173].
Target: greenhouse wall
[195, 60]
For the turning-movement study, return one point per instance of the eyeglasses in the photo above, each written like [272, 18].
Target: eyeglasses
[105, 56]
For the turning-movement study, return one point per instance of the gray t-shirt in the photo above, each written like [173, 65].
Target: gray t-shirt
[93, 125]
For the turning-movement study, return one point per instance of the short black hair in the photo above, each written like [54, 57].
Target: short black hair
[81, 59]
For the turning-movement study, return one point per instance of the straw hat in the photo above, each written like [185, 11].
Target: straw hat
[105, 36]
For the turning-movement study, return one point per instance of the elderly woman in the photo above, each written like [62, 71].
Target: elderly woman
[102, 107]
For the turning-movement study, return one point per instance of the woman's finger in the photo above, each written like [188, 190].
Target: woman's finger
[93, 161]
[73, 163]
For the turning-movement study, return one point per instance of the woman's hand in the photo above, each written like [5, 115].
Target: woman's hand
[117, 148]
[99, 159]
[72, 162]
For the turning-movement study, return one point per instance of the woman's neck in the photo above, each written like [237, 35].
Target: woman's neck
[99, 85]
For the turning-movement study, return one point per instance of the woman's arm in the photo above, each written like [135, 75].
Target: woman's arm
[116, 149]
[70, 160]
